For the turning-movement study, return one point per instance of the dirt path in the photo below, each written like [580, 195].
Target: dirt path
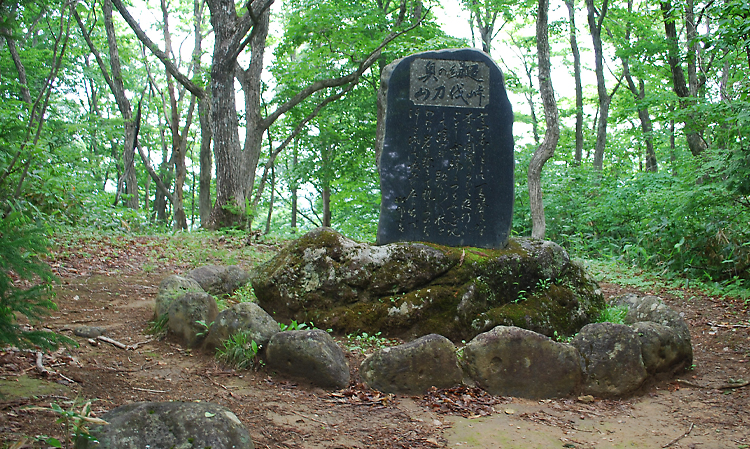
[707, 408]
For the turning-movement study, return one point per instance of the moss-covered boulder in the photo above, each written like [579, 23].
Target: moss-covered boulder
[312, 355]
[415, 289]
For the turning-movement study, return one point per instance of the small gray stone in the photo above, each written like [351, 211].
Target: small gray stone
[167, 425]
[184, 314]
[414, 367]
[219, 279]
[651, 308]
[89, 331]
[511, 361]
[662, 348]
[613, 365]
[243, 317]
[312, 355]
[171, 288]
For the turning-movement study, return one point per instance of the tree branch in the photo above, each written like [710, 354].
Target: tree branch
[162, 56]
[250, 19]
[335, 82]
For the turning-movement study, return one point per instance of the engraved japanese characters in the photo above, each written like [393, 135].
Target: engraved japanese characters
[446, 161]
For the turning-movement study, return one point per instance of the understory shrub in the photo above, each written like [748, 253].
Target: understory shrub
[25, 284]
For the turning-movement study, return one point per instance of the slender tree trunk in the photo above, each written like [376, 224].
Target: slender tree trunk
[695, 141]
[129, 178]
[250, 80]
[551, 116]
[270, 201]
[166, 173]
[326, 197]
[578, 157]
[595, 26]
[204, 118]
[179, 143]
[206, 156]
[294, 182]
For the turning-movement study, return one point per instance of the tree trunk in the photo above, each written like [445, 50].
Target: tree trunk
[293, 187]
[229, 208]
[178, 146]
[578, 157]
[129, 179]
[648, 131]
[204, 118]
[270, 201]
[206, 156]
[551, 116]
[595, 26]
[695, 141]
[639, 95]
[326, 198]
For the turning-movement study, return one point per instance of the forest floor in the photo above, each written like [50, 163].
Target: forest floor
[113, 283]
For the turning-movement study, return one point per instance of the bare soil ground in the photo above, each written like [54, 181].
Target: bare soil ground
[706, 407]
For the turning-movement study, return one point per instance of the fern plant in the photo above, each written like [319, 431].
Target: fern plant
[22, 243]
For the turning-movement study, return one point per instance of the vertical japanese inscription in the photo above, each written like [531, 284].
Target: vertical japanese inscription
[445, 196]
[446, 164]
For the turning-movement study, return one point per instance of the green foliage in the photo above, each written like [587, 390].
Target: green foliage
[25, 284]
[245, 294]
[613, 314]
[367, 343]
[294, 326]
[239, 351]
[75, 423]
[158, 327]
[205, 327]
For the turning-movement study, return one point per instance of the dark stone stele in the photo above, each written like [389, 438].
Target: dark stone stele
[445, 146]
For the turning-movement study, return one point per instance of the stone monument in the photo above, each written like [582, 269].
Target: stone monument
[445, 151]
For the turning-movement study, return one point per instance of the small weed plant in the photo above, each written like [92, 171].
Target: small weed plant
[158, 327]
[75, 423]
[205, 327]
[245, 294]
[613, 314]
[240, 351]
[295, 326]
[562, 338]
[366, 343]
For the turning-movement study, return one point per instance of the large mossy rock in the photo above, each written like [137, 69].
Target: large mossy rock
[414, 289]
[168, 425]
